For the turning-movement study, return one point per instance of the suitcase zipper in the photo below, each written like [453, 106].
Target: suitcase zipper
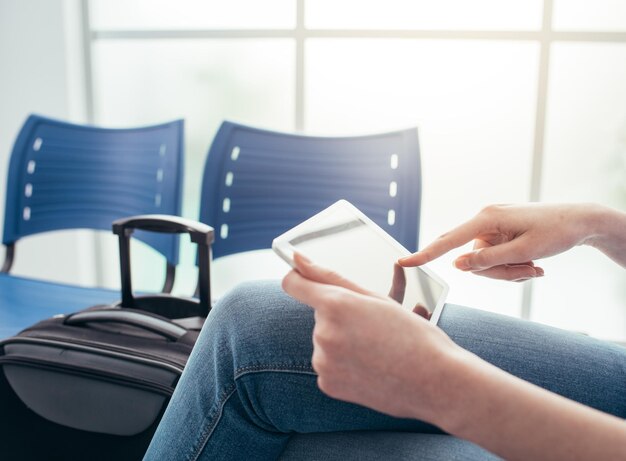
[108, 347]
[104, 376]
[102, 349]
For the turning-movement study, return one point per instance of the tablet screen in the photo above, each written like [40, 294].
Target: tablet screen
[344, 240]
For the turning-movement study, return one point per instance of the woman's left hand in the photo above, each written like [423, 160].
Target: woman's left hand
[369, 350]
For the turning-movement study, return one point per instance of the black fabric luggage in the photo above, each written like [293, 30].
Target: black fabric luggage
[94, 384]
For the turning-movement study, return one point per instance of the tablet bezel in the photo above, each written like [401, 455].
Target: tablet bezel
[285, 250]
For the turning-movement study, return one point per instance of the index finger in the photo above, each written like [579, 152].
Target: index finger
[457, 237]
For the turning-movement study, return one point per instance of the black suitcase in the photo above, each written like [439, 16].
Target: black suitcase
[94, 384]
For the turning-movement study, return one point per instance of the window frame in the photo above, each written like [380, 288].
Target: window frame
[300, 34]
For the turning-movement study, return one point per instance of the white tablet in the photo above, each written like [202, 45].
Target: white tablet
[343, 239]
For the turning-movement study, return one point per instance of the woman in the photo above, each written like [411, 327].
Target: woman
[255, 377]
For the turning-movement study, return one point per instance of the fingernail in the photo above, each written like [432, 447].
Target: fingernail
[462, 263]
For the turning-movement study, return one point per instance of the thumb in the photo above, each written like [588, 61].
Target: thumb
[320, 274]
[512, 252]
[315, 272]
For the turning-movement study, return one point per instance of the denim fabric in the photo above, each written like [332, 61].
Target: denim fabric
[249, 389]
[381, 445]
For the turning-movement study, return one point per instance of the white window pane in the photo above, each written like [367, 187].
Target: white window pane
[424, 14]
[585, 161]
[589, 15]
[139, 82]
[474, 104]
[191, 14]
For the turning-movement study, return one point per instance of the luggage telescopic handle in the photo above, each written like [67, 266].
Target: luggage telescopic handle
[200, 234]
[132, 317]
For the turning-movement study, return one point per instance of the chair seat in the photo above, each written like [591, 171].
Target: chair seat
[24, 301]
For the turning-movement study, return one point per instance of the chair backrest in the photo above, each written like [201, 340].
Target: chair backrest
[258, 183]
[67, 176]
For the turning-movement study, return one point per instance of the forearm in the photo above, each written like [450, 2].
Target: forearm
[608, 233]
[518, 420]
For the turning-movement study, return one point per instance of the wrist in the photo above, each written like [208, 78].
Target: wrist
[458, 380]
[592, 223]
[476, 392]
[605, 226]
[586, 219]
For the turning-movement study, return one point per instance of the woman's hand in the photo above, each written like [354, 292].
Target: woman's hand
[369, 350]
[508, 238]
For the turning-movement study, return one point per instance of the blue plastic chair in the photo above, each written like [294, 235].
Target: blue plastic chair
[67, 176]
[258, 183]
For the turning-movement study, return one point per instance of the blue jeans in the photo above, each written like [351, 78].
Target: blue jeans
[249, 392]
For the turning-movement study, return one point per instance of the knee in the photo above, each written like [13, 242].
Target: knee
[261, 306]
[258, 323]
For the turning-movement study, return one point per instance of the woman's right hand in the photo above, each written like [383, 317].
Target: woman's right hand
[509, 238]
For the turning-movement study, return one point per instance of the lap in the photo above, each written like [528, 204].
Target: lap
[251, 370]
[272, 328]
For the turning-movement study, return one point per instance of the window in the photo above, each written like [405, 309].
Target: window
[515, 100]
